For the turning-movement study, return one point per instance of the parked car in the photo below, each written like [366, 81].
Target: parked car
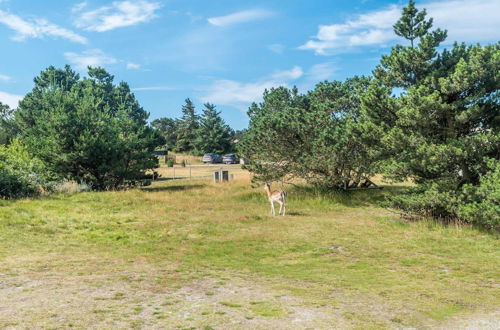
[212, 158]
[230, 159]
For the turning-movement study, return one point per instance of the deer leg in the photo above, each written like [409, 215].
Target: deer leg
[281, 207]
[284, 208]
[272, 209]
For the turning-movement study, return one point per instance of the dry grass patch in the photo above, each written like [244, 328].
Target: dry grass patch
[186, 253]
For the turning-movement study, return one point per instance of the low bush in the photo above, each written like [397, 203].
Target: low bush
[21, 175]
[476, 204]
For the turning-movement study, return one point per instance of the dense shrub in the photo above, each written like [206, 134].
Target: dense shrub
[481, 204]
[21, 174]
[319, 136]
[477, 204]
[88, 130]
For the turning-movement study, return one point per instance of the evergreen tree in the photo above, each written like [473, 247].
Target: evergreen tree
[7, 126]
[442, 131]
[319, 137]
[188, 125]
[87, 129]
[412, 24]
[407, 66]
[213, 134]
[168, 128]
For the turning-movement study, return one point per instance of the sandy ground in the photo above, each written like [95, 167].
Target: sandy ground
[142, 296]
[62, 292]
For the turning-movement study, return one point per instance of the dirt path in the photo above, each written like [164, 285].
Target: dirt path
[66, 292]
[143, 296]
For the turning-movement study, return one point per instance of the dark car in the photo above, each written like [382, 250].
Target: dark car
[230, 159]
[212, 158]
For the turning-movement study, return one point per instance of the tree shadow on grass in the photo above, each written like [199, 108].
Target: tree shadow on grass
[173, 188]
[349, 198]
[296, 214]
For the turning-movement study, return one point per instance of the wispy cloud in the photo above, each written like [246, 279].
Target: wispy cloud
[154, 88]
[133, 66]
[4, 77]
[93, 57]
[465, 20]
[119, 14]
[276, 48]
[240, 17]
[11, 100]
[321, 71]
[79, 6]
[240, 95]
[37, 28]
[286, 75]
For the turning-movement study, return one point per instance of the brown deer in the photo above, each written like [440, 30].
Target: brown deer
[276, 196]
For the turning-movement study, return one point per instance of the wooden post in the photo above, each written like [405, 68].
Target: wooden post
[189, 171]
[174, 170]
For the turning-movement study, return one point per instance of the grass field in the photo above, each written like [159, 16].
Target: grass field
[191, 254]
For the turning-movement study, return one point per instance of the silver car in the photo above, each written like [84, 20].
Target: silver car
[212, 158]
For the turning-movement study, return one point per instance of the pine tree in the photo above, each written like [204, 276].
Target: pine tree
[442, 130]
[167, 127]
[213, 135]
[87, 129]
[188, 124]
[7, 127]
[412, 24]
[407, 66]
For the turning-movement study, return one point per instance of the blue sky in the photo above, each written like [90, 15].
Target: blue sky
[223, 51]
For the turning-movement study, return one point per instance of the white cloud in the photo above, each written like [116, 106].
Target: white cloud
[276, 48]
[133, 66]
[37, 28]
[240, 95]
[322, 71]
[119, 14]
[4, 77]
[285, 75]
[154, 88]
[11, 100]
[465, 20]
[240, 17]
[93, 57]
[79, 6]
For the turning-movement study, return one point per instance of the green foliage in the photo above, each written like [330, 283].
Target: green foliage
[412, 23]
[88, 130]
[170, 162]
[167, 127]
[481, 204]
[196, 134]
[186, 129]
[7, 127]
[442, 130]
[320, 136]
[21, 174]
[213, 134]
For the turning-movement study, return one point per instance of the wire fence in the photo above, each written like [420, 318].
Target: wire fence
[192, 172]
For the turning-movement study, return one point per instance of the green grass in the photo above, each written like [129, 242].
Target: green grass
[329, 242]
